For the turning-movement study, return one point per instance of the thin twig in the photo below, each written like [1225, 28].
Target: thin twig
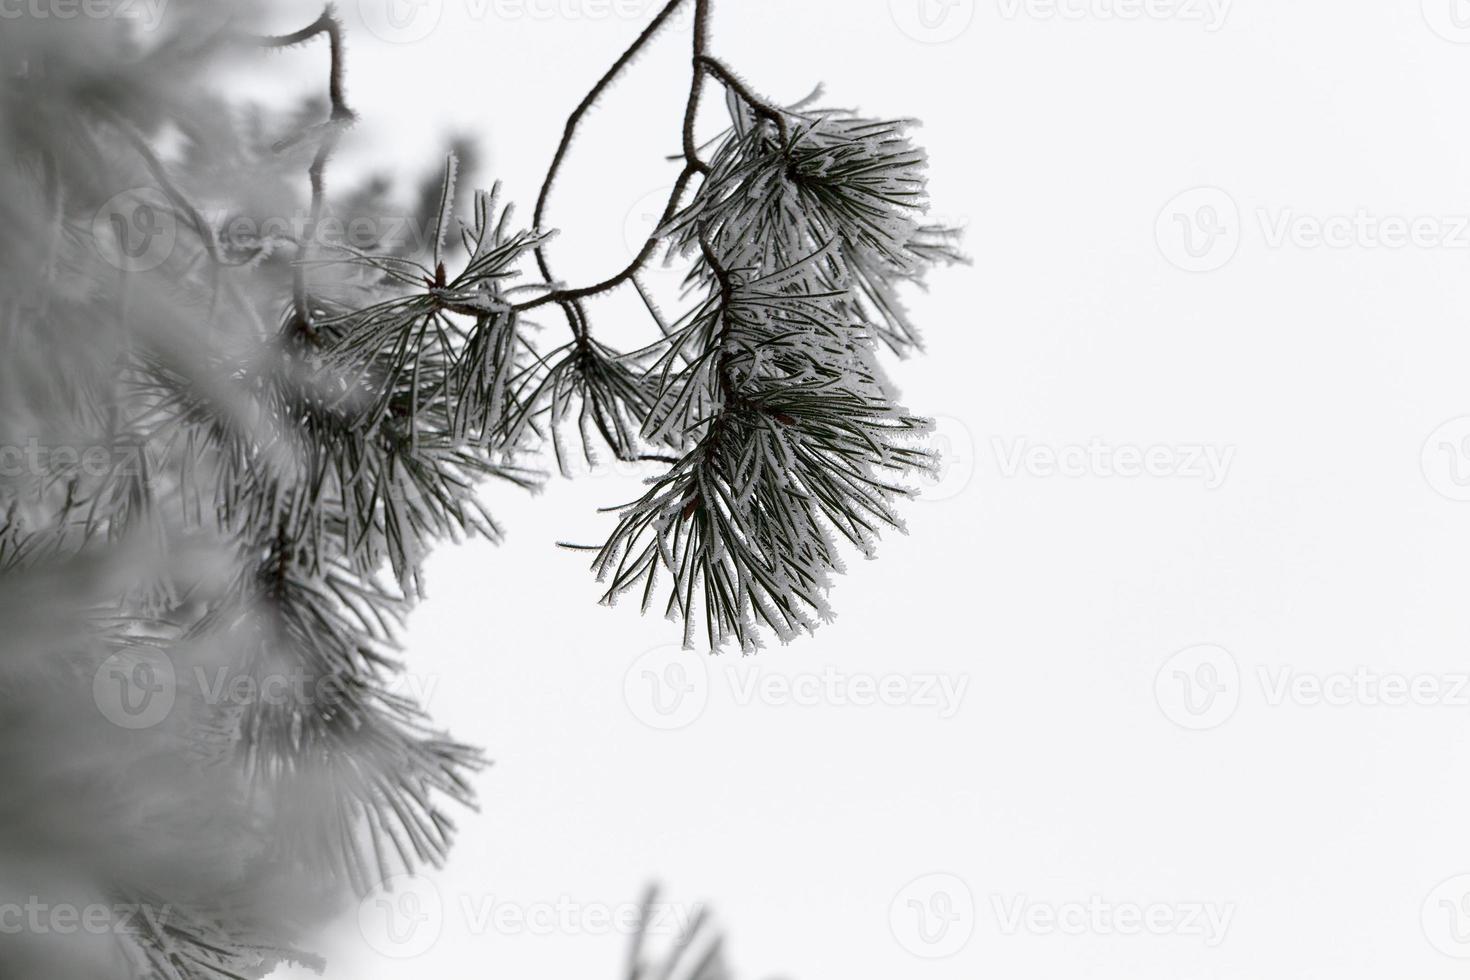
[329, 25]
[702, 10]
[341, 116]
[636, 266]
[762, 108]
[576, 315]
[575, 120]
[693, 165]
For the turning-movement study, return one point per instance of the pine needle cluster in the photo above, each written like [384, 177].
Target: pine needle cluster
[237, 458]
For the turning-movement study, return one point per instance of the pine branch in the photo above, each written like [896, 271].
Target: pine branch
[312, 418]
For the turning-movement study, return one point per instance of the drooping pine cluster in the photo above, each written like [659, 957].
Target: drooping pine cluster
[238, 457]
[800, 232]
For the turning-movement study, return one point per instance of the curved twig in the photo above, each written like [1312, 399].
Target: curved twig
[341, 116]
[762, 108]
[693, 165]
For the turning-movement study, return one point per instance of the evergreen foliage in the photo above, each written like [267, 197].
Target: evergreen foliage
[239, 455]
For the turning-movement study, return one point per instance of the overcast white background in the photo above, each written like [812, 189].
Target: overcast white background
[1082, 810]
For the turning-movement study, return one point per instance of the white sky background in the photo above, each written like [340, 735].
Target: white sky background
[1319, 373]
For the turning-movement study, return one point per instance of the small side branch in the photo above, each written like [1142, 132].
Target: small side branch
[576, 316]
[341, 116]
[329, 25]
[702, 10]
[761, 107]
[693, 165]
[649, 247]
[582, 109]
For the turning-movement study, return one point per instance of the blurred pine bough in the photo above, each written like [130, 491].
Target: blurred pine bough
[215, 442]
